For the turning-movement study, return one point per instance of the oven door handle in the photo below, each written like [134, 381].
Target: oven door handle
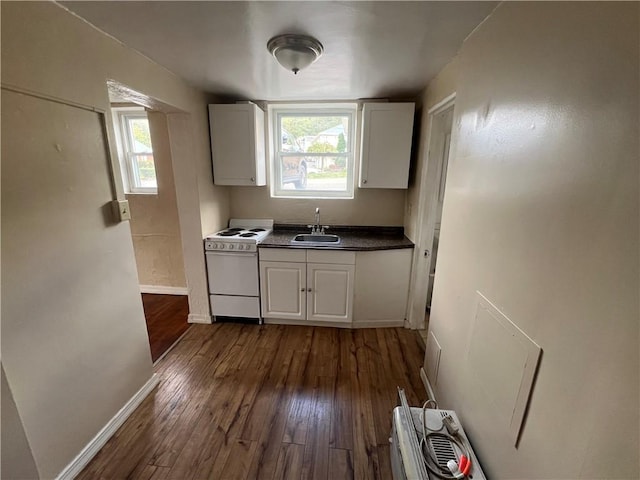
[233, 254]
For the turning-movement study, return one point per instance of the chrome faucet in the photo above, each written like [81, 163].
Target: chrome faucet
[316, 229]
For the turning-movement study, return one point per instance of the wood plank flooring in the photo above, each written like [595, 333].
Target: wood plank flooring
[166, 317]
[268, 402]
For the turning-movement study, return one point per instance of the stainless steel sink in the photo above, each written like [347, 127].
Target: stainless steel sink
[308, 238]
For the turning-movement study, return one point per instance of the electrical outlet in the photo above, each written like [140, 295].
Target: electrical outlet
[122, 209]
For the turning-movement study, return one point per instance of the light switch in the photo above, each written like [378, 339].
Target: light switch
[122, 207]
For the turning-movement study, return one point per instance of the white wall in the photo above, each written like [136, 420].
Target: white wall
[17, 459]
[73, 336]
[541, 216]
[155, 226]
[368, 207]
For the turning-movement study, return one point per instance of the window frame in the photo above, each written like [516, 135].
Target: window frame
[131, 177]
[339, 109]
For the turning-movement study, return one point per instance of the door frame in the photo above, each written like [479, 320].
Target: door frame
[427, 204]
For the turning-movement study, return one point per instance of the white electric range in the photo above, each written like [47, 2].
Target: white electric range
[232, 268]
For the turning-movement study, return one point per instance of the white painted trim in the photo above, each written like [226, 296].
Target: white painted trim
[442, 105]
[427, 385]
[305, 323]
[377, 323]
[164, 290]
[425, 227]
[94, 446]
[355, 324]
[199, 318]
[171, 347]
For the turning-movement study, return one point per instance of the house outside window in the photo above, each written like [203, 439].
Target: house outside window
[313, 150]
[135, 149]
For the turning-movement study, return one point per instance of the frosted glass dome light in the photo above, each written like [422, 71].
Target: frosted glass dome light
[295, 52]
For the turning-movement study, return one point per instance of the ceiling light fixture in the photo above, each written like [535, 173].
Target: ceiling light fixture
[295, 52]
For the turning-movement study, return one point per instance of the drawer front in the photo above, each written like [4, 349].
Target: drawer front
[234, 306]
[283, 255]
[331, 256]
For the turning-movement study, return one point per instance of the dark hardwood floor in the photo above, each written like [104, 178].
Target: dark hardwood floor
[268, 402]
[166, 317]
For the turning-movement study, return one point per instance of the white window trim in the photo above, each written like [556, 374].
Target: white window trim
[129, 175]
[350, 109]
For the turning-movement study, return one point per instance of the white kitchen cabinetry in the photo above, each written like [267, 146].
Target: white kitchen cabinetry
[307, 286]
[382, 287]
[385, 153]
[237, 144]
[329, 292]
[284, 290]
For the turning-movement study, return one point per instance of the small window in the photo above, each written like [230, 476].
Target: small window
[136, 152]
[313, 150]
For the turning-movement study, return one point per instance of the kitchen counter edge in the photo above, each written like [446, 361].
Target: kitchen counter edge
[363, 240]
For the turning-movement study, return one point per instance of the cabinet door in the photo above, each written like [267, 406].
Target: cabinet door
[237, 144]
[387, 129]
[283, 290]
[329, 292]
[382, 287]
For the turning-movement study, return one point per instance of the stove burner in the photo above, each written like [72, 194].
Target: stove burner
[235, 229]
[257, 230]
[229, 233]
[248, 234]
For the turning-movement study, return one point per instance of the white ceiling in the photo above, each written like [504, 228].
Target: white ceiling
[371, 49]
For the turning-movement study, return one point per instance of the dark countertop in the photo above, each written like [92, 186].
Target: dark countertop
[351, 238]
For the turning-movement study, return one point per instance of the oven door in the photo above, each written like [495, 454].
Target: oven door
[233, 273]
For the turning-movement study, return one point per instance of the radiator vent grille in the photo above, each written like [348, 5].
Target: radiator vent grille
[443, 450]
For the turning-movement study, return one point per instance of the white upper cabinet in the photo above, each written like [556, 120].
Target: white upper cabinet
[385, 153]
[237, 144]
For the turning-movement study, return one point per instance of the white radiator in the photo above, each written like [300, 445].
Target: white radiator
[407, 460]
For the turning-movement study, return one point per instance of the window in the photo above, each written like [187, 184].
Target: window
[313, 150]
[134, 146]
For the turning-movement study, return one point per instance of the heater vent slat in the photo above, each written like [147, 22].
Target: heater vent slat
[443, 450]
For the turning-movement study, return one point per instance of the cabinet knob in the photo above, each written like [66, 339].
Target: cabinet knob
[308, 289]
[364, 181]
[253, 179]
[302, 289]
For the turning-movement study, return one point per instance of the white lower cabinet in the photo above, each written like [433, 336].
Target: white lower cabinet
[317, 292]
[329, 292]
[283, 290]
[382, 287]
[340, 288]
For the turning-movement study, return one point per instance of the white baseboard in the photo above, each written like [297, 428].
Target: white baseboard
[163, 290]
[94, 446]
[427, 385]
[170, 348]
[199, 318]
[377, 323]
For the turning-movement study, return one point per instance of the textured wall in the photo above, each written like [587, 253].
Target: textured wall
[541, 216]
[155, 226]
[74, 341]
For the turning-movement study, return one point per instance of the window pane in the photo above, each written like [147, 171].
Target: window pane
[325, 140]
[325, 173]
[145, 171]
[140, 136]
[313, 133]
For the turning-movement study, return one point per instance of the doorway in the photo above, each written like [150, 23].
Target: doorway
[443, 123]
[143, 148]
[430, 208]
